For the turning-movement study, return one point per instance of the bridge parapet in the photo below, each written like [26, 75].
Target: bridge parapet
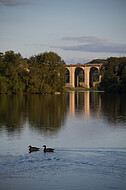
[85, 65]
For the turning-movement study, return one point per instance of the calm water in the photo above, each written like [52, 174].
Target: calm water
[87, 130]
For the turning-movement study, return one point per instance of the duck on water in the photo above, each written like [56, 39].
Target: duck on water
[48, 149]
[32, 149]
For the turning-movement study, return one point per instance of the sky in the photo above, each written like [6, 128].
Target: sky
[77, 30]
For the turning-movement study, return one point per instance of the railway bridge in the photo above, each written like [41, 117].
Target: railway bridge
[87, 74]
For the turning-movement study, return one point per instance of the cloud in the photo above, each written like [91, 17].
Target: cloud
[75, 60]
[84, 39]
[93, 44]
[14, 2]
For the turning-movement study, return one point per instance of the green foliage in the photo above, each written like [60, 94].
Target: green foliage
[114, 75]
[96, 75]
[4, 84]
[43, 73]
[47, 73]
[81, 76]
[97, 61]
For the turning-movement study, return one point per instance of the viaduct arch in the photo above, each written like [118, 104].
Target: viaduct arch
[72, 73]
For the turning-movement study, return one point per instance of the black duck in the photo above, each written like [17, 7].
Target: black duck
[48, 149]
[32, 149]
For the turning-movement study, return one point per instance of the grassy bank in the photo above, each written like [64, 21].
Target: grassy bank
[81, 89]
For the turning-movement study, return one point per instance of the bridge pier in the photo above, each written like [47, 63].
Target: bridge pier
[71, 76]
[87, 77]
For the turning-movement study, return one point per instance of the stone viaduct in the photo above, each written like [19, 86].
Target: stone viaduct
[88, 70]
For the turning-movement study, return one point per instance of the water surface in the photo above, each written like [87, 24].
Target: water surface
[87, 130]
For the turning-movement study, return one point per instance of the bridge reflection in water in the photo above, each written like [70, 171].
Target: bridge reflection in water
[85, 103]
[48, 113]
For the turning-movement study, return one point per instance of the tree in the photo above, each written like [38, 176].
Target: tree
[4, 85]
[114, 75]
[10, 69]
[47, 73]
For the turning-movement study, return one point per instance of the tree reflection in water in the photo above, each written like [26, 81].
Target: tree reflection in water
[47, 113]
[114, 107]
[43, 112]
[12, 112]
[96, 105]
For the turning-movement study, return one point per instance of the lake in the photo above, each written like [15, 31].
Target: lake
[86, 129]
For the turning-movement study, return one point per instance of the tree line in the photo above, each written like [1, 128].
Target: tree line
[113, 72]
[46, 73]
[42, 73]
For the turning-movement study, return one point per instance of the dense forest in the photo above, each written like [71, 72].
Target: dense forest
[113, 72]
[42, 73]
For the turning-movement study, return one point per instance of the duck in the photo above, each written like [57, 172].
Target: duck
[32, 149]
[48, 149]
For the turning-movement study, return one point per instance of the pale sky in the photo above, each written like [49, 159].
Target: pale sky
[78, 30]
